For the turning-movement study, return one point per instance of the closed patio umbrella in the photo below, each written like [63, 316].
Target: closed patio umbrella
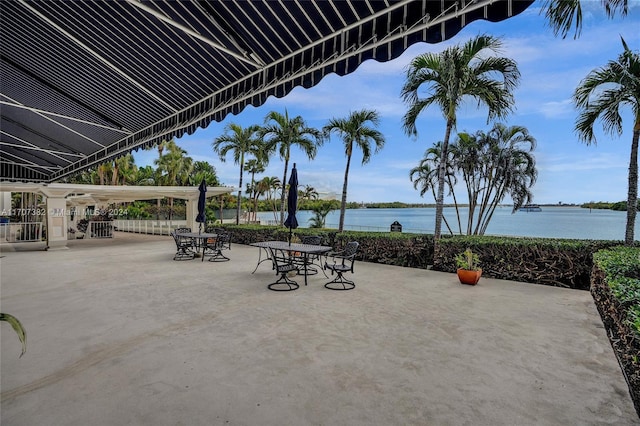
[202, 199]
[292, 202]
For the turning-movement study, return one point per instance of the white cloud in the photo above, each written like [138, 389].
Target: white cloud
[556, 110]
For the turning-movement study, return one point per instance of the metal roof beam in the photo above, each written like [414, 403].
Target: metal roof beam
[244, 56]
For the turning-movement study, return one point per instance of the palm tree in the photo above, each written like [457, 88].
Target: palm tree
[425, 176]
[309, 193]
[355, 130]
[493, 165]
[158, 178]
[459, 72]
[124, 170]
[253, 166]
[320, 212]
[174, 168]
[203, 170]
[601, 95]
[146, 176]
[280, 133]
[272, 185]
[240, 142]
[562, 13]
[104, 171]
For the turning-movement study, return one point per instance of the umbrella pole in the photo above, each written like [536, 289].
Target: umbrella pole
[290, 233]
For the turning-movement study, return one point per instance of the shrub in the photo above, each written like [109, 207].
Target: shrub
[615, 286]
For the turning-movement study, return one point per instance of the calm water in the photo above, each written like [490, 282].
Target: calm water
[552, 222]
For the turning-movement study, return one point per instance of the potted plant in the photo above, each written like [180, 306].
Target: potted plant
[469, 271]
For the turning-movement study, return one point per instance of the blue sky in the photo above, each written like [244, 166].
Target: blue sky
[551, 68]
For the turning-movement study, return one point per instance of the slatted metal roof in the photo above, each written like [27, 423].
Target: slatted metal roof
[83, 82]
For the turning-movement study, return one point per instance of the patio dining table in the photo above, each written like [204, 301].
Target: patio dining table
[304, 249]
[201, 239]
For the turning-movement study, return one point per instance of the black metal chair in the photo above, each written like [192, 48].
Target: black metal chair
[283, 264]
[217, 245]
[343, 262]
[185, 247]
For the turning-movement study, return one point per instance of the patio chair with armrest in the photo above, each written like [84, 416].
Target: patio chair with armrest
[343, 262]
[218, 244]
[185, 247]
[283, 264]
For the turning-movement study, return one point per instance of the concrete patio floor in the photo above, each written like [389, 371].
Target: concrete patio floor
[120, 334]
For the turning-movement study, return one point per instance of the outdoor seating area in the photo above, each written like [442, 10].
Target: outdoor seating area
[288, 258]
[118, 333]
[190, 245]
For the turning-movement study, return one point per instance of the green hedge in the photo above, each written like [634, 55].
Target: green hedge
[400, 249]
[615, 286]
[621, 267]
[555, 262]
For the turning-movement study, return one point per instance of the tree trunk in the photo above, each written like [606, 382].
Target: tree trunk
[221, 209]
[441, 175]
[343, 204]
[632, 198]
[284, 186]
[240, 190]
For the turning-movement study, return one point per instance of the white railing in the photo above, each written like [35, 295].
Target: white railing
[21, 232]
[100, 229]
[153, 227]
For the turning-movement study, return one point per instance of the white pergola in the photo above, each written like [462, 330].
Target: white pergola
[62, 197]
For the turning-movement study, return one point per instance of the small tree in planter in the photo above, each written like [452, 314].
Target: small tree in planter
[468, 264]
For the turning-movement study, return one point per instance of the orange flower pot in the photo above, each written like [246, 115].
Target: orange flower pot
[469, 277]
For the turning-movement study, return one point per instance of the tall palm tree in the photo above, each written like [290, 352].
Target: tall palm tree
[174, 168]
[124, 170]
[561, 14]
[104, 171]
[359, 129]
[253, 166]
[240, 141]
[493, 165]
[280, 133]
[459, 72]
[601, 95]
[425, 176]
[272, 185]
[203, 170]
[158, 179]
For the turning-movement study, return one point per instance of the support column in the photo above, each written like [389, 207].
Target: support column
[56, 222]
[56, 217]
[191, 213]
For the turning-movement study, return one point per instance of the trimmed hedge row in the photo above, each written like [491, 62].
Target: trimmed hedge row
[409, 250]
[562, 263]
[555, 262]
[615, 287]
